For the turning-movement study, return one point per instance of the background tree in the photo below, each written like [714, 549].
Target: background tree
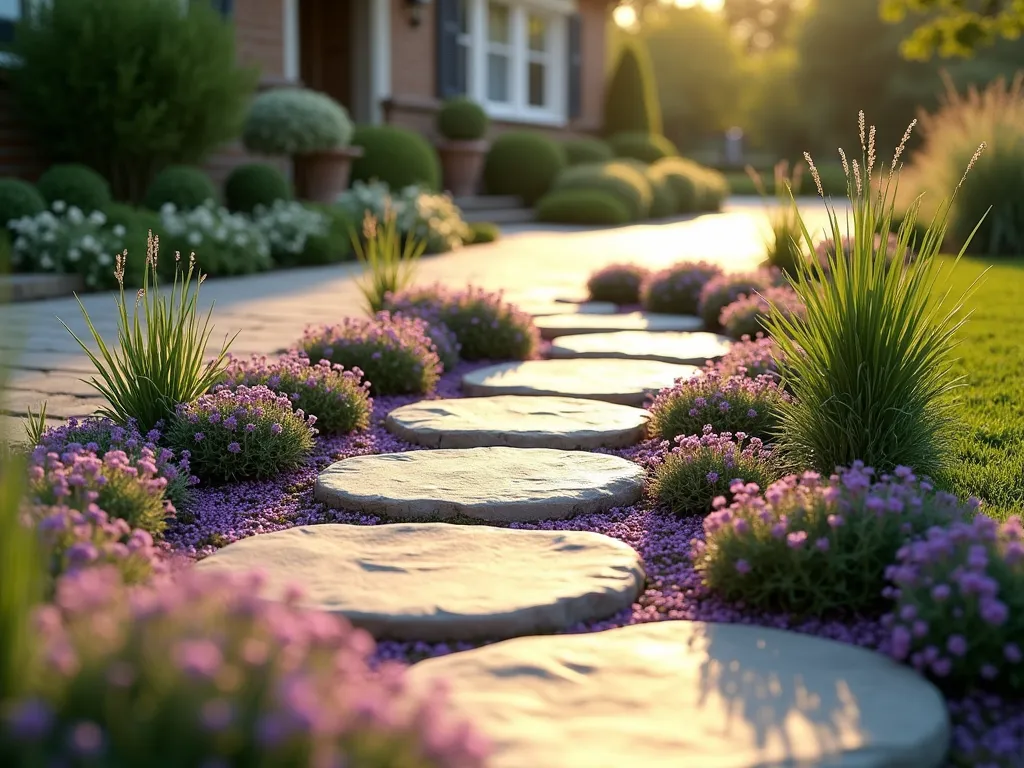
[955, 28]
[631, 99]
[762, 25]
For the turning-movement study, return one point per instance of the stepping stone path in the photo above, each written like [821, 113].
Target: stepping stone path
[682, 348]
[548, 308]
[437, 582]
[522, 422]
[680, 694]
[627, 382]
[496, 485]
[570, 325]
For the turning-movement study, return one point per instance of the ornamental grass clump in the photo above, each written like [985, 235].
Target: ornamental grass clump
[339, 398]
[242, 433]
[617, 283]
[722, 290]
[784, 247]
[873, 379]
[816, 547]
[726, 404]
[203, 671]
[959, 604]
[124, 488]
[826, 250]
[676, 290]
[389, 257]
[395, 353]
[160, 361]
[701, 468]
[748, 314]
[750, 357]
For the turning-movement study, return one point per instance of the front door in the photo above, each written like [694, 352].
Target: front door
[334, 55]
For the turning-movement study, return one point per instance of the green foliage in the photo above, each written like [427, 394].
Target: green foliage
[129, 86]
[870, 365]
[645, 147]
[951, 29]
[462, 119]
[582, 206]
[581, 151]
[685, 179]
[161, 360]
[255, 184]
[183, 186]
[784, 247]
[19, 198]
[397, 157]
[631, 98]
[295, 121]
[664, 202]
[483, 232]
[224, 243]
[137, 224]
[74, 184]
[523, 164]
[621, 179]
[390, 260]
[301, 234]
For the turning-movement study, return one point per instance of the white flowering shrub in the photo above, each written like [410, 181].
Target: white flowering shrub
[291, 228]
[224, 243]
[432, 218]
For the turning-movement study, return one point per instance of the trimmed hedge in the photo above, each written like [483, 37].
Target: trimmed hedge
[255, 184]
[19, 198]
[183, 186]
[523, 164]
[582, 206]
[75, 184]
[622, 180]
[398, 157]
[696, 188]
[581, 151]
[645, 147]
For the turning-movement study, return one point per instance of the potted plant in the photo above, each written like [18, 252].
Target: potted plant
[462, 124]
[310, 127]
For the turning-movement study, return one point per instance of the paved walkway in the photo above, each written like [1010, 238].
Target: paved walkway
[270, 310]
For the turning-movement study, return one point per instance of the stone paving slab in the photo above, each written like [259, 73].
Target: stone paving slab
[569, 325]
[682, 348]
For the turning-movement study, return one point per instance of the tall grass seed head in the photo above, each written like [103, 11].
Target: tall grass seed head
[722, 290]
[746, 316]
[617, 283]
[676, 290]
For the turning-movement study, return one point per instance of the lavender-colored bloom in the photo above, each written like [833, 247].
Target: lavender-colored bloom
[746, 316]
[676, 290]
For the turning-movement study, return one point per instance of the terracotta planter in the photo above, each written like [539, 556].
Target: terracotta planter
[462, 163]
[321, 176]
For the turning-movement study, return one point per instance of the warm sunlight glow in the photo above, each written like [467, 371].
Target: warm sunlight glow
[624, 16]
[709, 5]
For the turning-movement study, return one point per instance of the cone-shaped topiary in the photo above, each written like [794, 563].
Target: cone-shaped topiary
[398, 157]
[631, 101]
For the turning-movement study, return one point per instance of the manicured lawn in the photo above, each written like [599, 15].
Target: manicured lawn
[988, 449]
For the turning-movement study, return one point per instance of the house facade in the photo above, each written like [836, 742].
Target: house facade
[531, 63]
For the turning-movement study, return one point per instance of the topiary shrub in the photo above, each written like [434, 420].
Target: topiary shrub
[816, 547]
[255, 184]
[582, 206]
[483, 232]
[462, 119]
[685, 179]
[581, 151]
[664, 202]
[645, 147]
[183, 186]
[74, 185]
[735, 404]
[18, 199]
[703, 467]
[523, 164]
[724, 289]
[394, 353]
[397, 157]
[631, 99]
[751, 357]
[242, 433]
[295, 121]
[617, 283]
[676, 290]
[959, 604]
[621, 179]
[747, 315]
[338, 398]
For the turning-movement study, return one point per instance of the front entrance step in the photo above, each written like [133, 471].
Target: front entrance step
[497, 209]
[487, 202]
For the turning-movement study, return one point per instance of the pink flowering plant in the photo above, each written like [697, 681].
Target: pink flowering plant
[813, 546]
[131, 490]
[486, 326]
[617, 283]
[202, 671]
[339, 398]
[243, 433]
[722, 290]
[732, 404]
[751, 357]
[747, 315]
[700, 468]
[676, 290]
[959, 604]
[395, 354]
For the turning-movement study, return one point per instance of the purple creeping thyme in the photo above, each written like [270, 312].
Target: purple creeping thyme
[750, 357]
[227, 672]
[676, 290]
[395, 353]
[722, 290]
[338, 398]
[745, 316]
[618, 283]
[826, 249]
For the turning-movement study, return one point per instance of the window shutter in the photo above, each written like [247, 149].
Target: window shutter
[6, 31]
[575, 66]
[450, 82]
[224, 6]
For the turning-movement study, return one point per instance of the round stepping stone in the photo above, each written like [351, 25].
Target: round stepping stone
[570, 325]
[495, 484]
[548, 308]
[627, 382]
[682, 348]
[680, 694]
[571, 424]
[438, 582]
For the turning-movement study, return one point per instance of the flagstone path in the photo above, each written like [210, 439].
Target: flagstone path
[680, 348]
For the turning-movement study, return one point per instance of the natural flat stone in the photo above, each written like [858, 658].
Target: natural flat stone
[682, 348]
[495, 484]
[679, 694]
[439, 582]
[627, 382]
[568, 325]
[548, 308]
[518, 421]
